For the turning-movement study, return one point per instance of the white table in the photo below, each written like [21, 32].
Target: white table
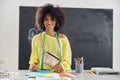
[19, 75]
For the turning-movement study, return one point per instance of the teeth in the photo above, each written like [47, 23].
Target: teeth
[49, 26]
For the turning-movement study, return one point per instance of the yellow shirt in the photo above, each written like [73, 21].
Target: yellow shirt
[51, 45]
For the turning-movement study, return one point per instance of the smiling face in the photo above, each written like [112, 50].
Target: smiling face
[49, 23]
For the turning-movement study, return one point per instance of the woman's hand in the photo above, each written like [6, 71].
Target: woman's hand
[33, 67]
[58, 68]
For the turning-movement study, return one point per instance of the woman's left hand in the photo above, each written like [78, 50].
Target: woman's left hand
[58, 68]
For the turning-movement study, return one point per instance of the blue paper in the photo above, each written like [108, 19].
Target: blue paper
[38, 73]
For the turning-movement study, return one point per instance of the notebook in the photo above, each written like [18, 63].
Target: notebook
[103, 70]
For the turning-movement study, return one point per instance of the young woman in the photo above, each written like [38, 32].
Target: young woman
[50, 19]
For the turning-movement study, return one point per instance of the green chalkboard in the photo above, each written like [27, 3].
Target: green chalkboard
[90, 32]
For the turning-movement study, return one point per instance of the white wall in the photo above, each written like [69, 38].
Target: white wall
[9, 26]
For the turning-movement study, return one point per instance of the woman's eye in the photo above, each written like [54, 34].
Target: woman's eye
[45, 19]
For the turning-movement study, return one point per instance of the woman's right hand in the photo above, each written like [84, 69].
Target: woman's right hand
[33, 67]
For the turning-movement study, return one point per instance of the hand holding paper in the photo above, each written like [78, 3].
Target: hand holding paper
[33, 67]
[58, 68]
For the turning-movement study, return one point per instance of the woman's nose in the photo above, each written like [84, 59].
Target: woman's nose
[49, 21]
